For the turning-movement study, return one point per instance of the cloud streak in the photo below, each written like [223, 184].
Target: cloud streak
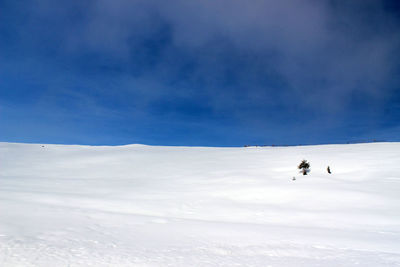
[313, 47]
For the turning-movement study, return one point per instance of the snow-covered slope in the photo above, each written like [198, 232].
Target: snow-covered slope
[177, 206]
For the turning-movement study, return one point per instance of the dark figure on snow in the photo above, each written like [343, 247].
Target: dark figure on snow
[329, 170]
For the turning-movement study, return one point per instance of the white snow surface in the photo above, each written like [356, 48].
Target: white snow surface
[136, 205]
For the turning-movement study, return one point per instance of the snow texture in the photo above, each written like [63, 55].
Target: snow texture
[141, 205]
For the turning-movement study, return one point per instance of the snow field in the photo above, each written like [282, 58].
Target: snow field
[141, 205]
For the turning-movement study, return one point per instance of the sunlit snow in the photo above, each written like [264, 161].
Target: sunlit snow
[141, 205]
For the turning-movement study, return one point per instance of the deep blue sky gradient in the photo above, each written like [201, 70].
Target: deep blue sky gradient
[209, 73]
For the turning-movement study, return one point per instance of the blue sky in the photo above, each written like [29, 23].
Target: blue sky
[209, 73]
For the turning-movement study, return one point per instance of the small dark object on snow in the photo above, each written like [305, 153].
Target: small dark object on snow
[329, 170]
[294, 178]
[304, 166]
